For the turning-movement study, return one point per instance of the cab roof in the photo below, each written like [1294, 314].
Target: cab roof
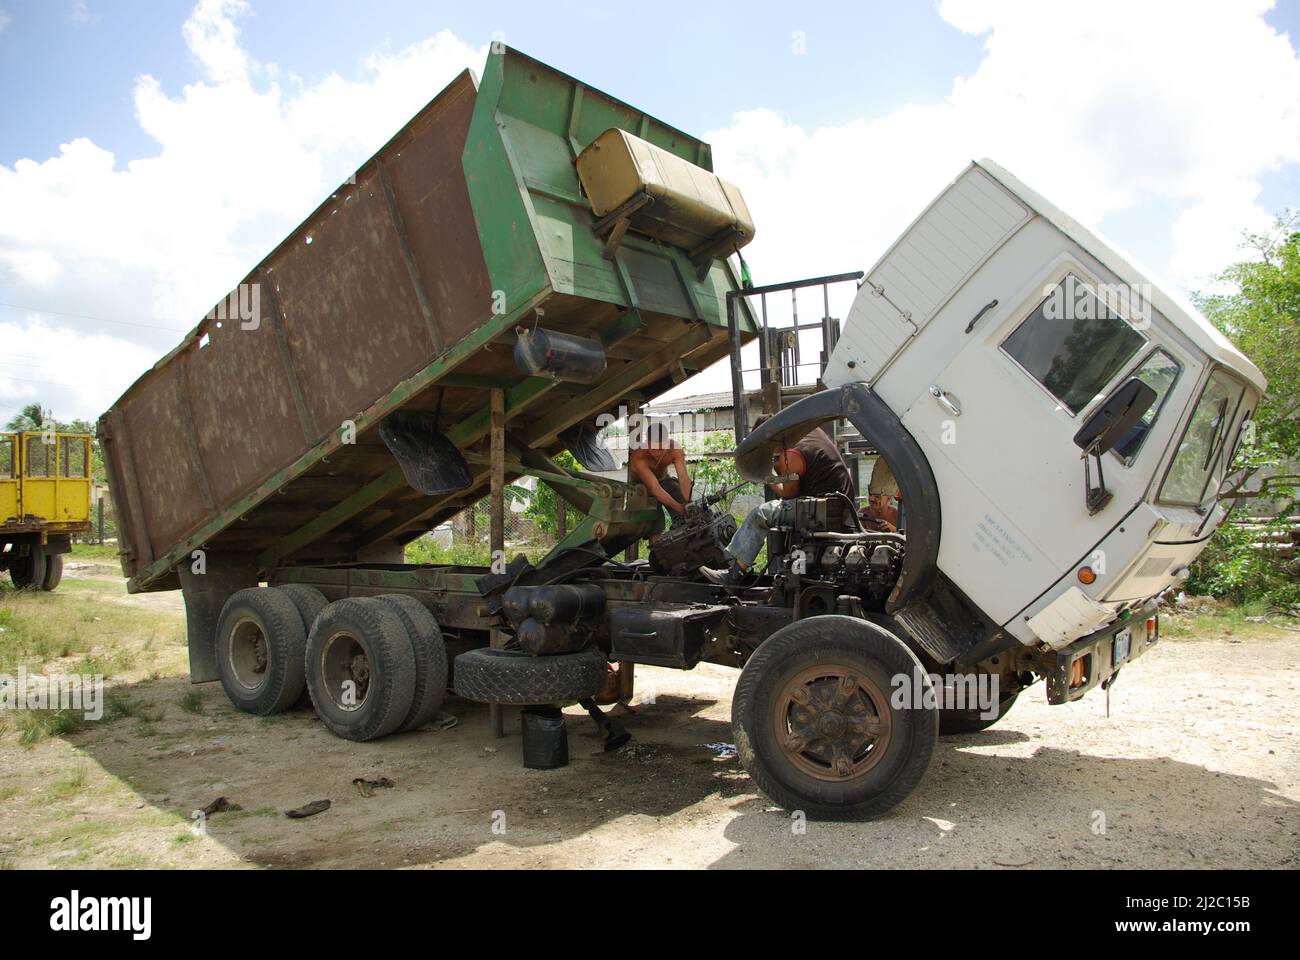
[1203, 334]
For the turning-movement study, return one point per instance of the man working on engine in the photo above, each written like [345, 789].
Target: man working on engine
[817, 470]
[651, 456]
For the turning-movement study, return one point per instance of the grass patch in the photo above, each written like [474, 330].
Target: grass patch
[192, 702]
[37, 725]
[1245, 621]
[94, 551]
[82, 620]
[69, 785]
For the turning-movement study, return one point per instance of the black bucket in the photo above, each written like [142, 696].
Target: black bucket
[546, 741]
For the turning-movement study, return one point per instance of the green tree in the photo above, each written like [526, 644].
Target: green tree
[1259, 310]
[31, 417]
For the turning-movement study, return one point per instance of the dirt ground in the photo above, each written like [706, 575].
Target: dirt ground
[1196, 766]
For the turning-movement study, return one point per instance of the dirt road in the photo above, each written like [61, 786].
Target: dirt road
[1197, 766]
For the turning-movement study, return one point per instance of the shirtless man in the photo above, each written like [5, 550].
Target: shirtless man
[649, 463]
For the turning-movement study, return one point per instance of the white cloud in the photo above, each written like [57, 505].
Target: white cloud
[1103, 106]
[242, 158]
[35, 354]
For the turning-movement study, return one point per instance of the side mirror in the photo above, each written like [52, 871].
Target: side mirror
[1112, 421]
[1109, 424]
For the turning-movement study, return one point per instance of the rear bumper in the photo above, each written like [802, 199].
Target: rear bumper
[1102, 653]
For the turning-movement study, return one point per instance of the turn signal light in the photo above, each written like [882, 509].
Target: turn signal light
[1153, 629]
[1079, 672]
[1086, 575]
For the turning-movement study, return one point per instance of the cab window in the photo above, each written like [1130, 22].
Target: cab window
[1073, 344]
[7, 471]
[1159, 372]
[1199, 465]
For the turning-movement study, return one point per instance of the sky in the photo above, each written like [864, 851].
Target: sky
[152, 151]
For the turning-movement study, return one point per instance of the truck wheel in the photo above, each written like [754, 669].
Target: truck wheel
[430, 658]
[28, 573]
[969, 721]
[260, 643]
[816, 721]
[53, 572]
[360, 669]
[310, 602]
[491, 675]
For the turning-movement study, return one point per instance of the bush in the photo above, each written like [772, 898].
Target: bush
[1231, 568]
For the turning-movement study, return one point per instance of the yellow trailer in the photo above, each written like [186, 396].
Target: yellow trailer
[44, 499]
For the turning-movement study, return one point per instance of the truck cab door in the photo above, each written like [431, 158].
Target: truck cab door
[998, 425]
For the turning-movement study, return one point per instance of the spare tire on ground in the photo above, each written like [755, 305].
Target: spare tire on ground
[491, 675]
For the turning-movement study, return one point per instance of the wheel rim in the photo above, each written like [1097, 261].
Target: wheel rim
[248, 653]
[832, 722]
[345, 669]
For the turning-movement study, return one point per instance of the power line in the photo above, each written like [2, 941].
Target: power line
[86, 316]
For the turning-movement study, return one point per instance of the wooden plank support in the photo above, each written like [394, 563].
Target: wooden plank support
[497, 540]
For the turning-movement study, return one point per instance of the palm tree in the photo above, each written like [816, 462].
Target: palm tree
[32, 417]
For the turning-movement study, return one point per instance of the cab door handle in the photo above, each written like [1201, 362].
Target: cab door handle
[949, 403]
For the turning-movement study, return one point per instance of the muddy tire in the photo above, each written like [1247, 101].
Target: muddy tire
[53, 571]
[430, 659]
[953, 722]
[815, 722]
[512, 676]
[310, 602]
[260, 644]
[28, 573]
[360, 669]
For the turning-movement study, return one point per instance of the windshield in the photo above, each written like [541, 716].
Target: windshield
[1201, 460]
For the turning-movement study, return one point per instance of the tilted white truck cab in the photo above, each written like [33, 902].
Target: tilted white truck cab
[993, 343]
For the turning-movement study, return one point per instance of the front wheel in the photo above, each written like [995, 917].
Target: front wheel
[835, 717]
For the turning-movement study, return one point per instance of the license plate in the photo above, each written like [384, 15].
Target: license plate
[1123, 644]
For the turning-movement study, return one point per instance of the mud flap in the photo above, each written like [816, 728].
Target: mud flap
[431, 463]
[588, 449]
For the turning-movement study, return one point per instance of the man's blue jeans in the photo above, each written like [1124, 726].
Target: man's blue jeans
[749, 539]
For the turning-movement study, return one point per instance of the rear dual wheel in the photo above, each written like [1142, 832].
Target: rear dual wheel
[375, 666]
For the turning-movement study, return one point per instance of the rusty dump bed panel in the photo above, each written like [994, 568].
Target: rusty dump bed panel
[402, 290]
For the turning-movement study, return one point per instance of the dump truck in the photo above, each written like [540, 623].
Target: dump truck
[528, 258]
[45, 486]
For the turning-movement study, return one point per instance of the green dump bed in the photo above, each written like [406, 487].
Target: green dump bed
[403, 291]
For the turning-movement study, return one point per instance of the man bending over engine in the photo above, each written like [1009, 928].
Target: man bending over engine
[818, 470]
[649, 462]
